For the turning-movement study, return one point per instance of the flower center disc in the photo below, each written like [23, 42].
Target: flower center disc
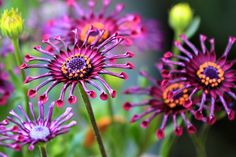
[175, 95]
[39, 132]
[96, 25]
[210, 74]
[76, 67]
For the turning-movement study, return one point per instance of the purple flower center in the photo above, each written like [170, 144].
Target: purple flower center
[76, 67]
[210, 74]
[39, 132]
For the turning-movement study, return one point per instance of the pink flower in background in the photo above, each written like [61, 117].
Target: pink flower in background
[128, 25]
[165, 99]
[6, 88]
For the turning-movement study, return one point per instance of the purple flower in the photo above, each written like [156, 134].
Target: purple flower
[6, 88]
[78, 64]
[167, 100]
[209, 78]
[19, 129]
[102, 20]
[6, 47]
[149, 38]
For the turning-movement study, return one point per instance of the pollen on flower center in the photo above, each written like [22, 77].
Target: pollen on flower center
[175, 95]
[210, 74]
[76, 66]
[96, 25]
[39, 132]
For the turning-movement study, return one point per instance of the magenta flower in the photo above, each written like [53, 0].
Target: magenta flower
[19, 130]
[6, 88]
[128, 25]
[149, 38]
[166, 100]
[213, 77]
[78, 64]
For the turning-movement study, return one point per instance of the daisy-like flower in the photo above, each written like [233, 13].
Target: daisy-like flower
[84, 18]
[19, 129]
[167, 100]
[6, 88]
[209, 78]
[78, 64]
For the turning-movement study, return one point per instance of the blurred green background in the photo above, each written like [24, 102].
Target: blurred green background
[218, 20]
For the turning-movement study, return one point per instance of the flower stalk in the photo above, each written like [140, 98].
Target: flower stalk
[93, 121]
[19, 61]
[43, 150]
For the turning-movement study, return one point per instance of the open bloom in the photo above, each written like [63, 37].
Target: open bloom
[128, 25]
[166, 100]
[6, 88]
[78, 64]
[209, 78]
[19, 129]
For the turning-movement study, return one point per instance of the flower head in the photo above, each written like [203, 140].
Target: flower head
[11, 23]
[180, 16]
[19, 130]
[85, 18]
[6, 88]
[78, 64]
[209, 78]
[166, 100]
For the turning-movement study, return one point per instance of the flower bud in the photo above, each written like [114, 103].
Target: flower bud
[180, 16]
[11, 23]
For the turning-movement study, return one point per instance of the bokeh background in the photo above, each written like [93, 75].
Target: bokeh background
[218, 20]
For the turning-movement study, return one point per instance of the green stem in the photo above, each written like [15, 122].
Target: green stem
[166, 146]
[93, 121]
[199, 145]
[143, 146]
[43, 150]
[176, 37]
[19, 60]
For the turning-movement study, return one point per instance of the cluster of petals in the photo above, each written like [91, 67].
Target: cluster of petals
[77, 64]
[170, 101]
[136, 31]
[18, 130]
[210, 79]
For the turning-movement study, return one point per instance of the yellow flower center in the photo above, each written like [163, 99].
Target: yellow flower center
[172, 97]
[77, 66]
[96, 25]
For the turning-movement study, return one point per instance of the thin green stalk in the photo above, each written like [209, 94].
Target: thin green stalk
[199, 146]
[43, 150]
[18, 55]
[19, 60]
[167, 144]
[176, 37]
[93, 121]
[143, 146]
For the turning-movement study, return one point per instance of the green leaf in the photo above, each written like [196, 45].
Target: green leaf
[193, 27]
